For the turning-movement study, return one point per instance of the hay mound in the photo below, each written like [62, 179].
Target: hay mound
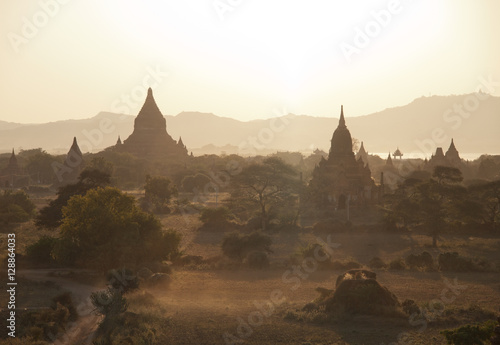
[358, 292]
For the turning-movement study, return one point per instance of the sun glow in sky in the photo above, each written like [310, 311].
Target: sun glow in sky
[240, 58]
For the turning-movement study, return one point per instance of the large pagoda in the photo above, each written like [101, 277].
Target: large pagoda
[150, 138]
[342, 179]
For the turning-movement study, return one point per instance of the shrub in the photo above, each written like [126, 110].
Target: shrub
[258, 260]
[65, 300]
[44, 325]
[237, 246]
[109, 303]
[423, 260]
[397, 264]
[410, 307]
[159, 191]
[376, 262]
[15, 207]
[123, 280]
[454, 262]
[470, 334]
[215, 216]
[41, 251]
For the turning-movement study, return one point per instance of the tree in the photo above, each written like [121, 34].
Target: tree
[447, 175]
[196, 183]
[262, 186]
[437, 199]
[15, 207]
[486, 197]
[105, 229]
[237, 246]
[51, 215]
[215, 216]
[431, 202]
[488, 169]
[158, 191]
[101, 164]
[39, 165]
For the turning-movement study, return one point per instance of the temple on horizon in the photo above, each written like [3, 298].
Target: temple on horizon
[150, 138]
[341, 179]
[12, 175]
[451, 158]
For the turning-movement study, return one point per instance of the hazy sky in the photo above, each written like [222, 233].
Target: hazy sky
[244, 59]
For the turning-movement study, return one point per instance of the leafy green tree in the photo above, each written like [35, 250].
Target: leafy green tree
[105, 229]
[15, 207]
[262, 186]
[51, 215]
[158, 191]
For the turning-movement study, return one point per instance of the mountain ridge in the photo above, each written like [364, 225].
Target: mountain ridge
[420, 126]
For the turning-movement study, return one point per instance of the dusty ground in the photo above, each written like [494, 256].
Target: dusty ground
[203, 307]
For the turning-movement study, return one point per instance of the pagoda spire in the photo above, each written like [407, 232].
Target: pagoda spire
[452, 146]
[342, 119]
[389, 160]
[75, 148]
[13, 158]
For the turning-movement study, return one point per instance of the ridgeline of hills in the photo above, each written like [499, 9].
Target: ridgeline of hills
[420, 126]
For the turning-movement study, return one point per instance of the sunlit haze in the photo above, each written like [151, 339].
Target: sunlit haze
[240, 59]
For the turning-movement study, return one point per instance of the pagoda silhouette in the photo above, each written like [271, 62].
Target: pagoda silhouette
[342, 178]
[150, 138]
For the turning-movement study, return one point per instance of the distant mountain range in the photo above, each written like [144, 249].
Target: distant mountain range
[420, 126]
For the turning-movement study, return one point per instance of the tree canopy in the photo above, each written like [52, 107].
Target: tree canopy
[265, 187]
[51, 215]
[105, 228]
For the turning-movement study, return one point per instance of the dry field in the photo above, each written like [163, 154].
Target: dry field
[203, 306]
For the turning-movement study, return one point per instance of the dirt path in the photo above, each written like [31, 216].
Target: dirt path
[80, 332]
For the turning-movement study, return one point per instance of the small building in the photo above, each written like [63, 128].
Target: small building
[397, 153]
